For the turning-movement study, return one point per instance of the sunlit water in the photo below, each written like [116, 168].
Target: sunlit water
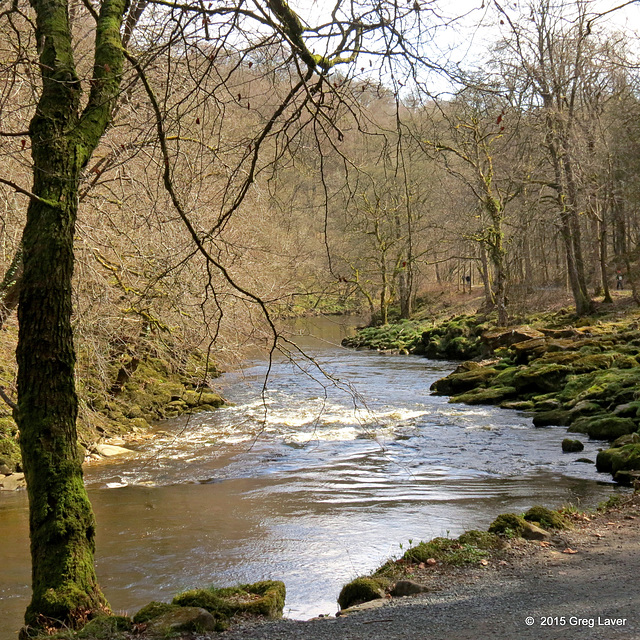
[310, 482]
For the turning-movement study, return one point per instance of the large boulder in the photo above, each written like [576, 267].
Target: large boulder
[545, 378]
[507, 337]
[625, 458]
[457, 383]
[603, 426]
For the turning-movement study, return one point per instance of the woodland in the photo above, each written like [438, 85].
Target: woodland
[177, 177]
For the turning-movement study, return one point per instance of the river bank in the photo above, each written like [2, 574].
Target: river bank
[583, 374]
[581, 582]
[320, 492]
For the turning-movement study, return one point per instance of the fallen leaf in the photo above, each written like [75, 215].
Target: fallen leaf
[432, 561]
[544, 543]
[484, 562]
[569, 550]
[421, 565]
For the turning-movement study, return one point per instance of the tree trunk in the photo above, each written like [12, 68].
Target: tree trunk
[61, 522]
[602, 237]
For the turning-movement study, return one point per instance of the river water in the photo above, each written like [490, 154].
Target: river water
[312, 481]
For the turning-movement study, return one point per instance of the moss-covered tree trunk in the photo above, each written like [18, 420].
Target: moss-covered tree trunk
[62, 526]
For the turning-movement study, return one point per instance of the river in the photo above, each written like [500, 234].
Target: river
[312, 481]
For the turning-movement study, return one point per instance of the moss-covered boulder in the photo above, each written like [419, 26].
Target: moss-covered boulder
[543, 378]
[153, 610]
[264, 599]
[457, 383]
[627, 410]
[546, 518]
[630, 438]
[625, 458]
[569, 445]
[508, 524]
[492, 395]
[558, 417]
[361, 590]
[603, 427]
[524, 352]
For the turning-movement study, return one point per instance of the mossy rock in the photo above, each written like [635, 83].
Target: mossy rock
[546, 518]
[492, 395]
[609, 388]
[264, 598]
[558, 417]
[153, 610]
[361, 590]
[627, 410]
[630, 438]
[458, 383]
[625, 458]
[603, 427]
[524, 352]
[517, 405]
[508, 524]
[593, 362]
[569, 445]
[544, 378]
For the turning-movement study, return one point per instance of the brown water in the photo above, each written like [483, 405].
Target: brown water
[307, 483]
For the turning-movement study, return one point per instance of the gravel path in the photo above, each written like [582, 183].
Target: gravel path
[591, 594]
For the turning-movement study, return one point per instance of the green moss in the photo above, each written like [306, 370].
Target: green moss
[229, 601]
[457, 383]
[508, 524]
[572, 446]
[153, 610]
[546, 518]
[544, 378]
[625, 458]
[603, 427]
[448, 551]
[558, 417]
[361, 590]
[481, 540]
[493, 395]
[104, 627]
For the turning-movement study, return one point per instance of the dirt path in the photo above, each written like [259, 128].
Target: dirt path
[593, 593]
